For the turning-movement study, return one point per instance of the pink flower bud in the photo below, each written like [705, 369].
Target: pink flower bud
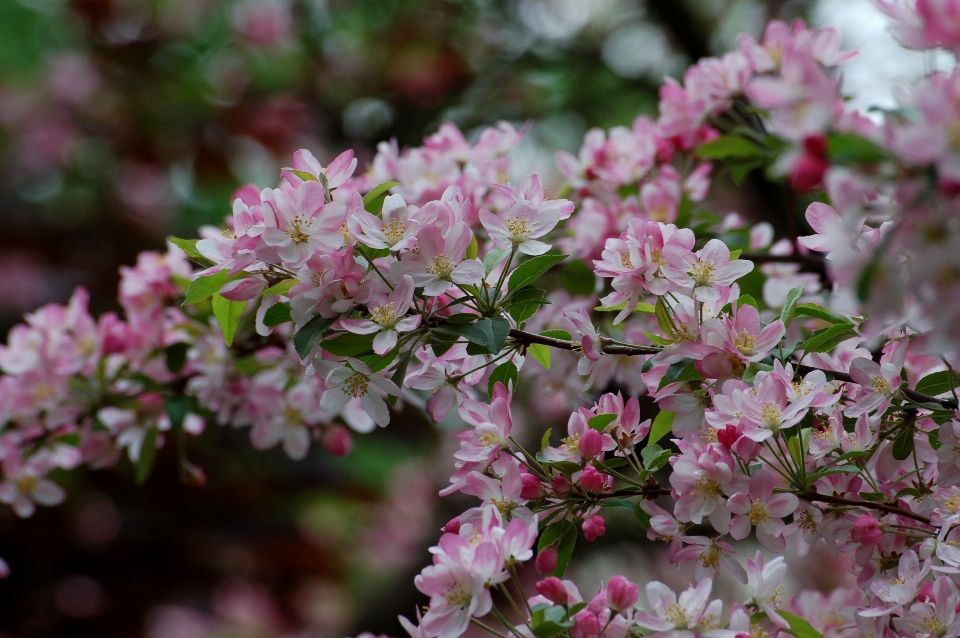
[452, 526]
[591, 444]
[337, 440]
[587, 625]
[621, 593]
[547, 560]
[594, 528]
[552, 589]
[925, 594]
[561, 484]
[728, 435]
[866, 530]
[532, 489]
[591, 480]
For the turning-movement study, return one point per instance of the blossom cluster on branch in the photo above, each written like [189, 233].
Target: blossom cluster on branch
[817, 407]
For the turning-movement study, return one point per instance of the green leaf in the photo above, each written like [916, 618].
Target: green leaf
[545, 439]
[506, 374]
[203, 287]
[562, 534]
[228, 315]
[748, 300]
[662, 425]
[790, 305]
[619, 503]
[281, 288]
[727, 146]
[525, 303]
[819, 312]
[277, 314]
[490, 334]
[827, 339]
[349, 344]
[176, 354]
[664, 319]
[847, 148]
[601, 421]
[938, 383]
[309, 334]
[578, 279]
[377, 362]
[472, 248]
[735, 254]
[563, 335]
[541, 353]
[903, 445]
[642, 517]
[493, 258]
[305, 176]
[798, 626]
[531, 270]
[679, 372]
[796, 453]
[148, 454]
[377, 191]
[189, 246]
[654, 457]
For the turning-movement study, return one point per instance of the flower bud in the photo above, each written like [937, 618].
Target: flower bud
[925, 594]
[591, 444]
[547, 560]
[560, 484]
[587, 625]
[594, 528]
[452, 526]
[531, 488]
[591, 480]
[553, 589]
[728, 435]
[621, 594]
[337, 440]
[866, 530]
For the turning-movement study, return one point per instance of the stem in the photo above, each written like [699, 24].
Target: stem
[487, 627]
[812, 497]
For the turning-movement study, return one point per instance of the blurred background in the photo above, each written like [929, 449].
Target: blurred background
[123, 121]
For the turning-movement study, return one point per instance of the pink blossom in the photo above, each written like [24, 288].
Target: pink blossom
[763, 509]
[388, 319]
[530, 217]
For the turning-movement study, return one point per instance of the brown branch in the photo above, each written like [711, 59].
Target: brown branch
[528, 338]
[812, 497]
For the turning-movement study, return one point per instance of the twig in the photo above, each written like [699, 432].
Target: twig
[883, 507]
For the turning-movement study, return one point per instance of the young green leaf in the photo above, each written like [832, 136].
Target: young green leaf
[228, 315]
[531, 270]
[662, 425]
[309, 334]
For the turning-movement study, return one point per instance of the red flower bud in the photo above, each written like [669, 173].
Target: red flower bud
[552, 589]
[591, 480]
[621, 593]
[594, 528]
[337, 440]
[546, 561]
[591, 444]
[532, 488]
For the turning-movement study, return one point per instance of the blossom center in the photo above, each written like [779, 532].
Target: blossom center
[745, 343]
[440, 267]
[571, 444]
[771, 413]
[707, 487]
[880, 384]
[675, 614]
[702, 272]
[519, 229]
[385, 315]
[296, 232]
[758, 514]
[393, 230]
[356, 384]
[459, 598]
[27, 484]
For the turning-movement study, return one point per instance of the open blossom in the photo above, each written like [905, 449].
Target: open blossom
[298, 223]
[334, 175]
[528, 218]
[762, 509]
[764, 581]
[441, 261]
[457, 593]
[691, 615]
[879, 381]
[395, 229]
[354, 380]
[701, 273]
[25, 484]
[388, 318]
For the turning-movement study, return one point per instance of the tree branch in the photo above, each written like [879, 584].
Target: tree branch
[812, 497]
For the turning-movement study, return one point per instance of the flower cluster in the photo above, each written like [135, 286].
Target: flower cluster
[782, 411]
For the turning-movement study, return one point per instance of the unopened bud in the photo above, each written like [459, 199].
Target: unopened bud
[546, 561]
[621, 594]
[337, 440]
[532, 488]
[591, 480]
[594, 528]
[553, 589]
[591, 444]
